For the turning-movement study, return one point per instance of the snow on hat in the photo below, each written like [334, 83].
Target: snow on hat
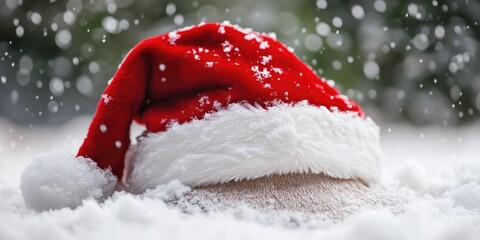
[220, 103]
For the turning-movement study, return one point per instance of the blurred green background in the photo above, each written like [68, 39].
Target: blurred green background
[402, 61]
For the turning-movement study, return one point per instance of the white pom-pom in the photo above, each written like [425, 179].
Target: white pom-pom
[59, 179]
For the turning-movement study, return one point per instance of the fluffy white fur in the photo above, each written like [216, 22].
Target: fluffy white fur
[59, 179]
[247, 142]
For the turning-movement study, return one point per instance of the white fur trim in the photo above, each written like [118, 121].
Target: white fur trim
[246, 142]
[59, 179]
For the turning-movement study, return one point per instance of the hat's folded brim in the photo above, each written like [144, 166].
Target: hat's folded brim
[245, 142]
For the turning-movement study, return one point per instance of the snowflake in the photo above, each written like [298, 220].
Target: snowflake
[260, 75]
[106, 98]
[227, 47]
[172, 37]
[162, 67]
[266, 59]
[331, 83]
[277, 70]
[272, 35]
[264, 45]
[221, 30]
[217, 105]
[267, 85]
[250, 36]
[196, 57]
[209, 64]
[203, 100]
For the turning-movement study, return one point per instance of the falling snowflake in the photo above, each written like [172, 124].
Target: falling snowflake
[162, 67]
[209, 64]
[103, 128]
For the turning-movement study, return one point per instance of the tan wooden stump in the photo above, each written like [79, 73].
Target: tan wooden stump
[307, 193]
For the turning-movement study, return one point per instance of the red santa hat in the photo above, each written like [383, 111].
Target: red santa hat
[219, 103]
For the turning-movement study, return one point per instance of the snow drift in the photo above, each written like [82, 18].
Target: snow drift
[436, 169]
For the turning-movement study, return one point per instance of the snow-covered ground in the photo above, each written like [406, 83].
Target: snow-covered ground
[437, 169]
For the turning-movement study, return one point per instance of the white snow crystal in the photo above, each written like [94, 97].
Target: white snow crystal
[172, 37]
[106, 98]
[171, 9]
[221, 30]
[63, 38]
[439, 31]
[209, 64]
[371, 69]
[421, 42]
[203, 100]
[264, 45]
[266, 59]
[380, 5]
[36, 18]
[272, 35]
[260, 75]
[322, 4]
[323, 29]
[337, 22]
[162, 67]
[331, 83]
[358, 12]
[277, 70]
[252, 36]
[227, 47]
